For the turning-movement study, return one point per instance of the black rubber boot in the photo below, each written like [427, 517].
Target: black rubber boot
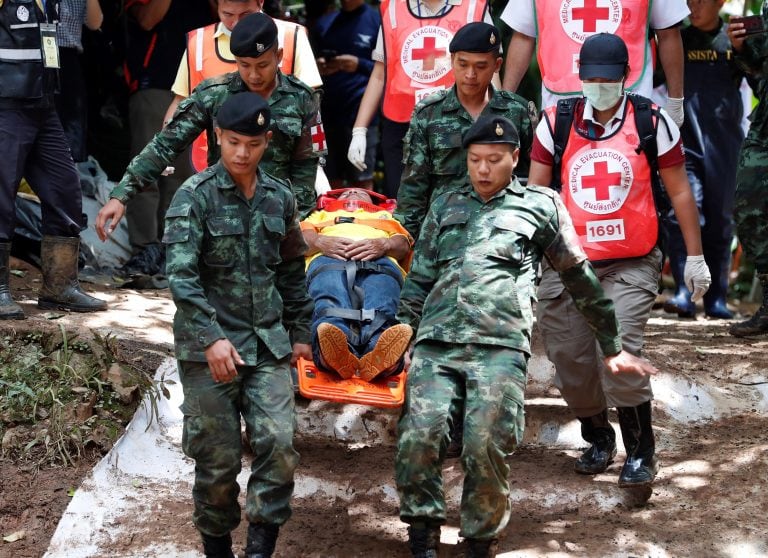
[9, 310]
[218, 547]
[482, 548]
[641, 465]
[262, 538]
[679, 304]
[61, 289]
[758, 323]
[424, 541]
[715, 299]
[597, 431]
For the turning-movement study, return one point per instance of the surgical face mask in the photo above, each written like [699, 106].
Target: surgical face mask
[603, 96]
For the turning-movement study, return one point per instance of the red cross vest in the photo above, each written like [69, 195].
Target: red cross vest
[205, 60]
[416, 52]
[607, 189]
[567, 23]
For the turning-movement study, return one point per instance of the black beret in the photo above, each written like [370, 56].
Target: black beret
[253, 35]
[244, 113]
[491, 129]
[476, 37]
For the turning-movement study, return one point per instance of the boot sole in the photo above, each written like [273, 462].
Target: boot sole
[389, 349]
[13, 316]
[592, 471]
[335, 351]
[671, 308]
[737, 333]
[45, 305]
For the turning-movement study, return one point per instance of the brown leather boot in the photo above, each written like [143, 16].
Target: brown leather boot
[9, 310]
[61, 289]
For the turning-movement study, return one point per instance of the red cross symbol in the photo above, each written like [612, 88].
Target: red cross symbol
[590, 14]
[601, 181]
[428, 53]
[318, 138]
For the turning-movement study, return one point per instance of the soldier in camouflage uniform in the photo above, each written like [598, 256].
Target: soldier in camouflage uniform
[469, 297]
[434, 159]
[751, 207]
[296, 118]
[235, 262]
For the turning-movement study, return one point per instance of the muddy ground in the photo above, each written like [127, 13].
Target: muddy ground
[709, 499]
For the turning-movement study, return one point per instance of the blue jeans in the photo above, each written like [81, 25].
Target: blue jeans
[329, 290]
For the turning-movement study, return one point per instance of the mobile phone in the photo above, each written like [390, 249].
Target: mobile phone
[753, 25]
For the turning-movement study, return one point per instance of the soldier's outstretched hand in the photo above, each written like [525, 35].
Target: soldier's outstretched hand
[625, 362]
[111, 213]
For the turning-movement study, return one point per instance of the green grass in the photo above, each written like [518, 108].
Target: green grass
[58, 402]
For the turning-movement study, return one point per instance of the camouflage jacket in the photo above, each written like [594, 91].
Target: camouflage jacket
[236, 266]
[295, 111]
[753, 59]
[435, 162]
[473, 269]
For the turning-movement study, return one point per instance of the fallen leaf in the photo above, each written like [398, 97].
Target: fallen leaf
[18, 272]
[13, 537]
[52, 315]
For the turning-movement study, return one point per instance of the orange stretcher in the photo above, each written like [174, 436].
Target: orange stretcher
[315, 383]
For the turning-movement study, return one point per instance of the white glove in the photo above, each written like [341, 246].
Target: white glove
[675, 110]
[697, 277]
[168, 171]
[356, 153]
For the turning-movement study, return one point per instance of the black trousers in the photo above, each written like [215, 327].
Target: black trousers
[392, 134]
[33, 146]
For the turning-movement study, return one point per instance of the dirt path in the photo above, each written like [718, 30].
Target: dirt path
[709, 500]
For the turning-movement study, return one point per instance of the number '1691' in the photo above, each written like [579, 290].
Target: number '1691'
[602, 231]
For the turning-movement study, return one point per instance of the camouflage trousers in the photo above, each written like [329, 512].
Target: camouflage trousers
[263, 396]
[487, 384]
[751, 207]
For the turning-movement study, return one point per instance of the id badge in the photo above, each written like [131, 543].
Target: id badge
[50, 46]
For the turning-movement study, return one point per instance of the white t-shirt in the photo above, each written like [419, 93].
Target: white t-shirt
[519, 15]
[378, 52]
[664, 141]
[304, 65]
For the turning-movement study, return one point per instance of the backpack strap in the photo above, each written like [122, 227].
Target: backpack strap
[563, 121]
[647, 120]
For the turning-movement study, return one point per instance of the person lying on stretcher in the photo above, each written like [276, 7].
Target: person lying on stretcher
[357, 259]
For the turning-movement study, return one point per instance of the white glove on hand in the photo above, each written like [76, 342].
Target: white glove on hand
[675, 110]
[356, 153]
[697, 277]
